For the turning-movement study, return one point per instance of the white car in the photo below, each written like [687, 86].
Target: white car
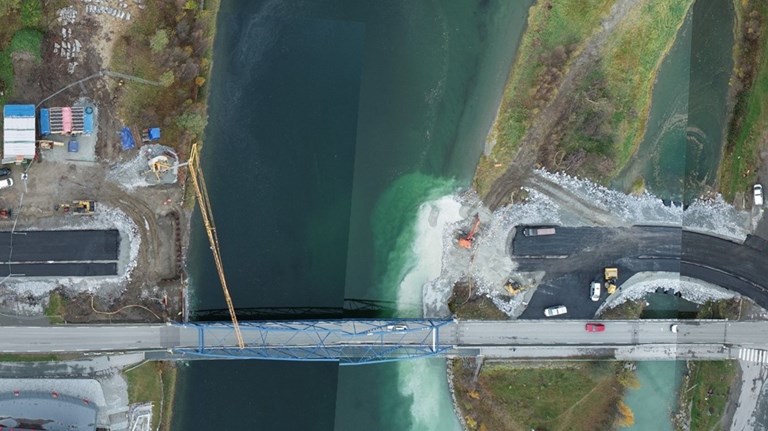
[555, 311]
[673, 328]
[594, 291]
[757, 191]
[4, 184]
[398, 327]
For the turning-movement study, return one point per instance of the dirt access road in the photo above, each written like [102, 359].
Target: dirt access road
[528, 152]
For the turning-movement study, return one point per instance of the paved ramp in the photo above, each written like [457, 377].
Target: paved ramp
[65, 253]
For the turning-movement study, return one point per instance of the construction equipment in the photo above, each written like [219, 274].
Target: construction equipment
[81, 207]
[198, 181]
[466, 241]
[513, 288]
[611, 276]
[159, 165]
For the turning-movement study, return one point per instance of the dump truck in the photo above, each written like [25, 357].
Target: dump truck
[539, 230]
[611, 276]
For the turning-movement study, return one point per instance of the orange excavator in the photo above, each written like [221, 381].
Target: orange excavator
[465, 241]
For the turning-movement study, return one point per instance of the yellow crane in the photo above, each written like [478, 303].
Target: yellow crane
[198, 180]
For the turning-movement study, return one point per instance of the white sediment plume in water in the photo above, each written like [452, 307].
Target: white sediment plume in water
[488, 265]
[427, 250]
[421, 380]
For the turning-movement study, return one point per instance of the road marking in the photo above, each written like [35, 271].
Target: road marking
[759, 356]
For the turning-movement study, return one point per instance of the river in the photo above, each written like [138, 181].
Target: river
[680, 152]
[330, 123]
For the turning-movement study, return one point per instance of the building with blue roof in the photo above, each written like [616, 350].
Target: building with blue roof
[18, 132]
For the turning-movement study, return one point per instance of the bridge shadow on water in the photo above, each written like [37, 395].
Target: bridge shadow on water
[352, 309]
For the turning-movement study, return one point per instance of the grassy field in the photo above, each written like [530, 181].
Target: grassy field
[153, 382]
[630, 64]
[573, 396]
[553, 35]
[738, 168]
[54, 311]
[706, 391]
[19, 33]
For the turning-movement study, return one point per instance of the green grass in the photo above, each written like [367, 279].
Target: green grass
[708, 388]
[150, 382]
[566, 24]
[55, 308]
[36, 357]
[24, 40]
[738, 169]
[27, 40]
[574, 396]
[631, 61]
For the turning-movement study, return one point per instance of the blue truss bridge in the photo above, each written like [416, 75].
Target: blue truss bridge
[346, 341]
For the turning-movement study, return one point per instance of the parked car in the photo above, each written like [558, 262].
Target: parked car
[594, 327]
[594, 291]
[555, 311]
[673, 328]
[4, 172]
[4, 184]
[757, 191]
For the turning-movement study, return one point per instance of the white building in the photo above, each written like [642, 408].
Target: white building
[18, 132]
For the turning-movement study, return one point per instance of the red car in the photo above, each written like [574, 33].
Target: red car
[595, 327]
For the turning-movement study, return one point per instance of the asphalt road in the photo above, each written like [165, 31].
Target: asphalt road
[74, 253]
[574, 257]
[365, 333]
[63, 245]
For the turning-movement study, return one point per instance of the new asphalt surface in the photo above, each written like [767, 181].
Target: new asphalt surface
[59, 253]
[574, 257]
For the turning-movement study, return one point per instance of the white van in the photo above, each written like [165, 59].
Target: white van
[594, 291]
[757, 191]
[555, 311]
[4, 184]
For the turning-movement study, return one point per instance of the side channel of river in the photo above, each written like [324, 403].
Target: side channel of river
[680, 153]
[678, 160]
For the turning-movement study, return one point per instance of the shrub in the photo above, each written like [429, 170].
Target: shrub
[192, 122]
[159, 41]
[167, 78]
[31, 13]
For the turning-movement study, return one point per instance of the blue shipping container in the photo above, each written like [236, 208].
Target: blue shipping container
[45, 122]
[88, 120]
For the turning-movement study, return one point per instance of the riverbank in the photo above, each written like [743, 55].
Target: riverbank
[547, 395]
[175, 48]
[743, 159]
[585, 103]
